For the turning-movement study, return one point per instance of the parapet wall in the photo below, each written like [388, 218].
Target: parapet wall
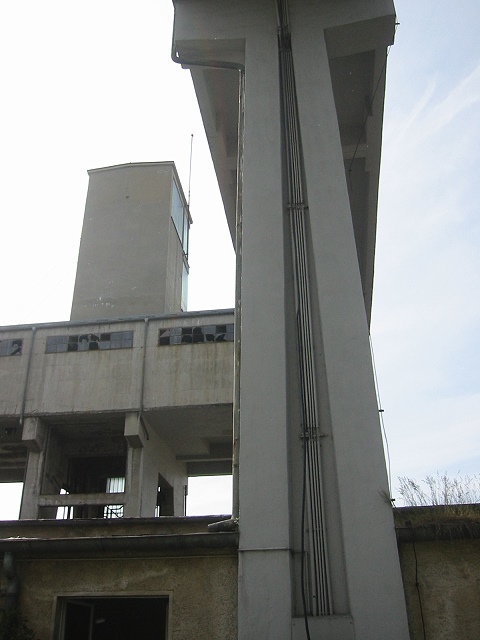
[120, 365]
[439, 552]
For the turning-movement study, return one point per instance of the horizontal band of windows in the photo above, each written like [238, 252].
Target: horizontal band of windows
[90, 342]
[11, 347]
[196, 335]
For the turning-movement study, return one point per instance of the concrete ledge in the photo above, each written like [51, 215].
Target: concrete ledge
[53, 547]
[106, 527]
[437, 522]
[439, 531]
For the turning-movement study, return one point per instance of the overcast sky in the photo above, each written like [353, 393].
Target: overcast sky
[90, 84]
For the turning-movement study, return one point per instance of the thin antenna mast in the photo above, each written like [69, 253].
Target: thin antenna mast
[190, 170]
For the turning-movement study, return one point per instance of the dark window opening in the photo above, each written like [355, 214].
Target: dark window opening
[165, 505]
[90, 342]
[94, 475]
[108, 618]
[196, 335]
[11, 347]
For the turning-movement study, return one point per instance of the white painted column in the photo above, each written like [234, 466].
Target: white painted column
[373, 579]
[264, 565]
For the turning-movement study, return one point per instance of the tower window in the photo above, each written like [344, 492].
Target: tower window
[11, 347]
[90, 342]
[196, 335]
[180, 218]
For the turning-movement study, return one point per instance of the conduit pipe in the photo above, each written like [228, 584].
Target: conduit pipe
[220, 64]
[316, 589]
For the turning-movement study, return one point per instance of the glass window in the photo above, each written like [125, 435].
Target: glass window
[90, 342]
[196, 335]
[177, 212]
[11, 347]
[180, 218]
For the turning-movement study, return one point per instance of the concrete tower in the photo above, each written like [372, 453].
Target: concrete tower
[104, 418]
[298, 166]
[133, 257]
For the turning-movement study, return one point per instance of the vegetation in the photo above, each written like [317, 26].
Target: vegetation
[13, 626]
[440, 490]
[451, 505]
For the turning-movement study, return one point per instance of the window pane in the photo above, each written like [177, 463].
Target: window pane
[177, 212]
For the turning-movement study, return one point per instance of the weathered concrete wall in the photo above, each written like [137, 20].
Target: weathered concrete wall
[201, 590]
[110, 380]
[125, 260]
[448, 591]
[201, 583]
[199, 577]
[188, 375]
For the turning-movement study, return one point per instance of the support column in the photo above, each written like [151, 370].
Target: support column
[264, 565]
[34, 436]
[353, 442]
[134, 472]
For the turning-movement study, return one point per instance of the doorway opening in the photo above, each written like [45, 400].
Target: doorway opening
[103, 618]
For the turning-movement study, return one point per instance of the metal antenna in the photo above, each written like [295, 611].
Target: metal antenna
[190, 170]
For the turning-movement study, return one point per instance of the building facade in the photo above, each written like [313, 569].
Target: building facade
[105, 417]
[109, 414]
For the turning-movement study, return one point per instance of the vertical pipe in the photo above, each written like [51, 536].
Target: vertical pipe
[313, 519]
[238, 306]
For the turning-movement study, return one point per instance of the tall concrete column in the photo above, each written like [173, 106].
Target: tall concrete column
[134, 471]
[264, 566]
[354, 458]
[335, 49]
[34, 436]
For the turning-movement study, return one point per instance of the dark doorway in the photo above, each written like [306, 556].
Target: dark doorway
[113, 618]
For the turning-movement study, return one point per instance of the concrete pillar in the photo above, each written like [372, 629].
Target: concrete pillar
[34, 436]
[264, 569]
[357, 470]
[133, 477]
[147, 457]
[367, 595]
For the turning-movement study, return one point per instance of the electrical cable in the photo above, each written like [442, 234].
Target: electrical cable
[302, 536]
[319, 601]
[417, 586]
[382, 421]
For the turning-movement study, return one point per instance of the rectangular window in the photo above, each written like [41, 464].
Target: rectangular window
[196, 335]
[11, 347]
[180, 218]
[90, 342]
[114, 485]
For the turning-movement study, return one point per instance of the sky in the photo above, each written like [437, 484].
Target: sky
[91, 84]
